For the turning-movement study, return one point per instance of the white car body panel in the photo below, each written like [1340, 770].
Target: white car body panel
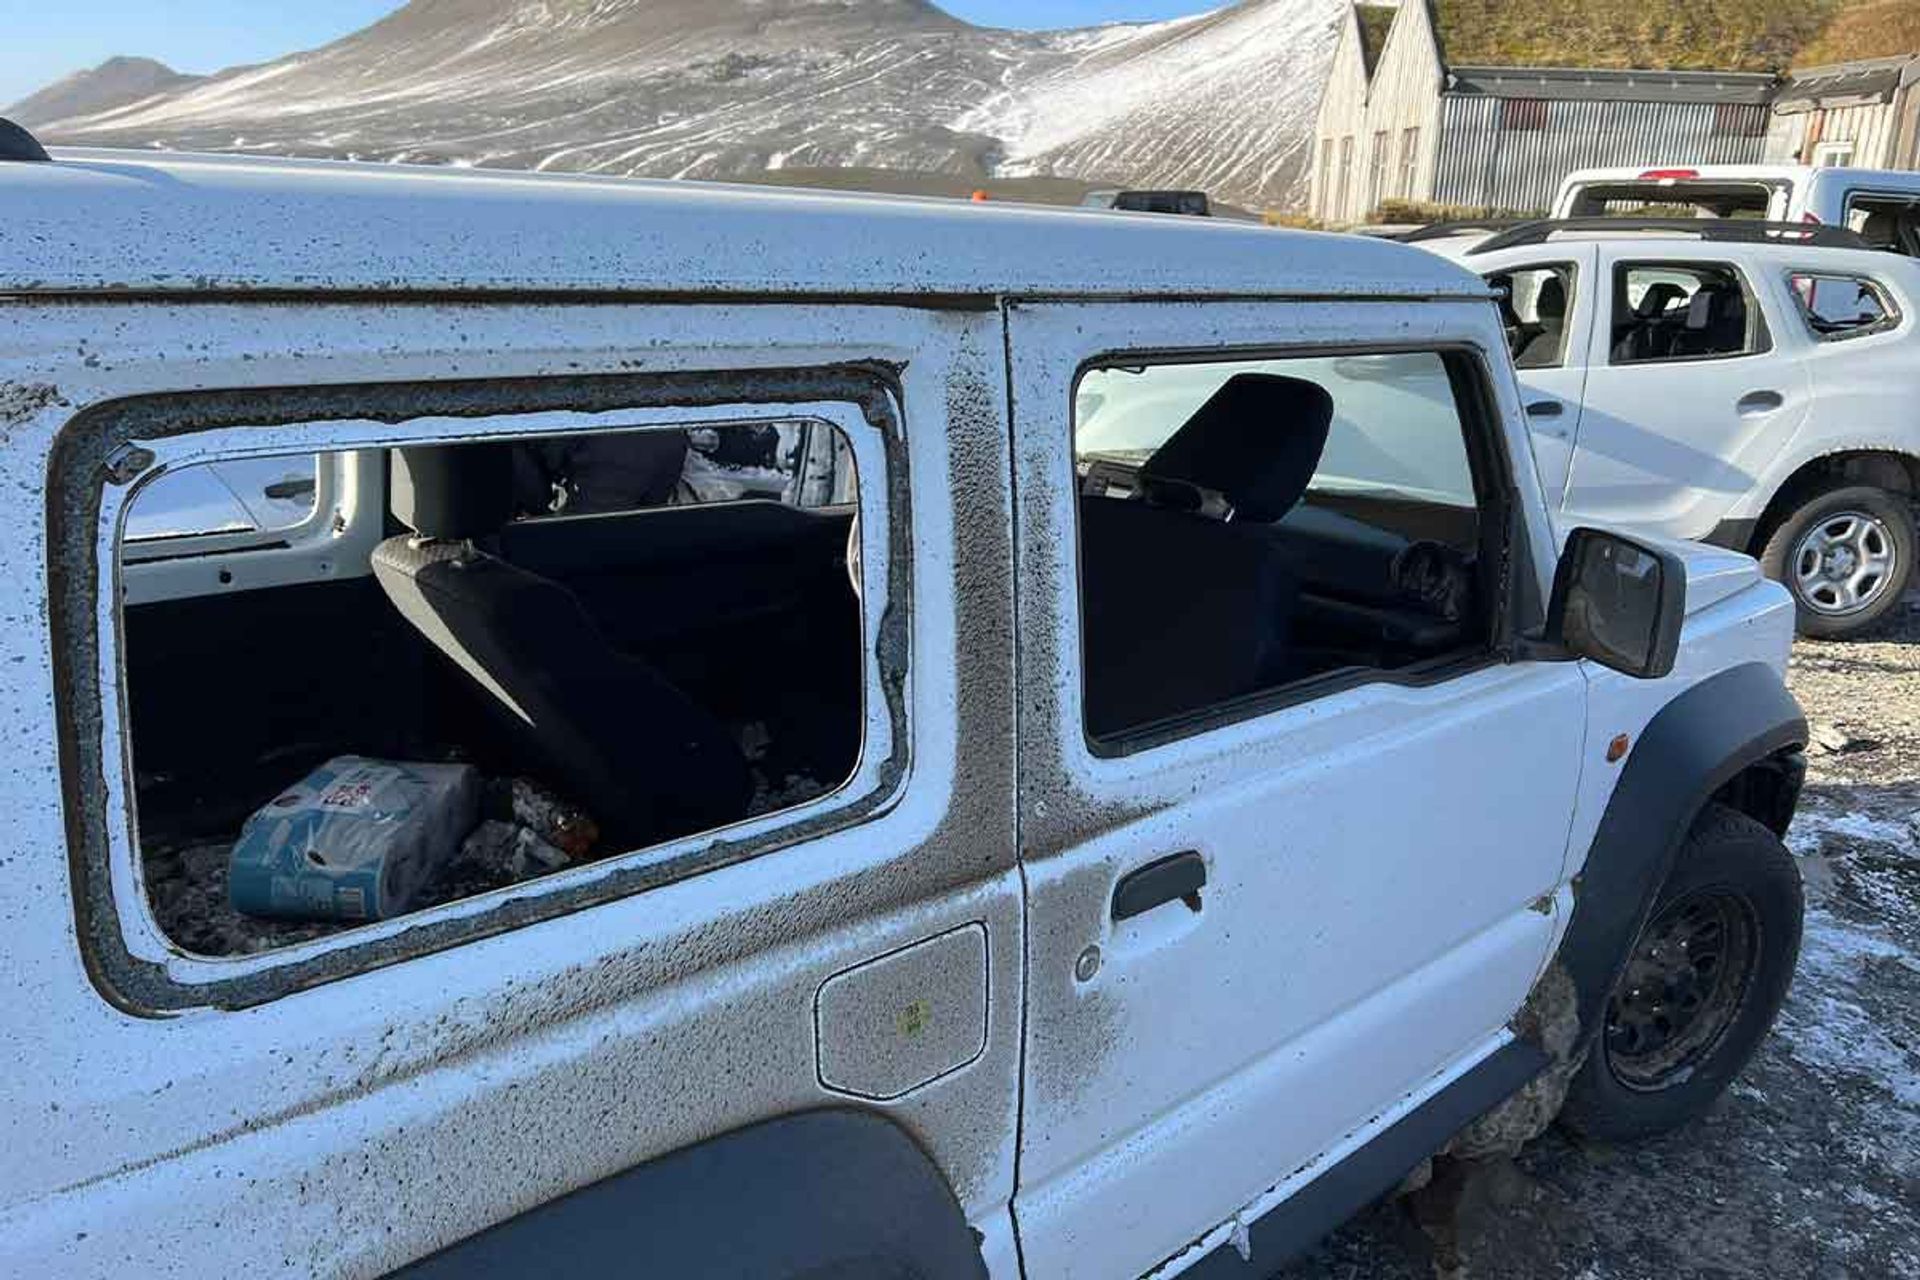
[368, 1099]
[1667, 446]
[1181, 1079]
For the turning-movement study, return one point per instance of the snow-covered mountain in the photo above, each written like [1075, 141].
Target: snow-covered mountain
[731, 88]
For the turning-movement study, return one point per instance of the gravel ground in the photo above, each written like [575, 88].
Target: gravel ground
[1810, 1166]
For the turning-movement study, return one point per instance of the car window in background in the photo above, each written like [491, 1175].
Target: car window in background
[792, 463]
[1535, 306]
[253, 495]
[1667, 312]
[1838, 307]
[1886, 222]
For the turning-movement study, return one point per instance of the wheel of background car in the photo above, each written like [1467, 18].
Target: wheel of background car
[1703, 980]
[1847, 554]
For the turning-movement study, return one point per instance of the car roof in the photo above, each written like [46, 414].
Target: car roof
[1745, 172]
[144, 222]
[1616, 173]
[1675, 246]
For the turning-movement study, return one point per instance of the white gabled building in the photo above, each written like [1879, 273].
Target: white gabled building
[1863, 114]
[1400, 120]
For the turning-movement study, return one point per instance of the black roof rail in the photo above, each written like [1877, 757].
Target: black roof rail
[17, 144]
[1718, 230]
[1461, 227]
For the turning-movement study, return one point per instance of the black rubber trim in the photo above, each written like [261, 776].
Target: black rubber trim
[1692, 748]
[1296, 1223]
[835, 1193]
[1733, 535]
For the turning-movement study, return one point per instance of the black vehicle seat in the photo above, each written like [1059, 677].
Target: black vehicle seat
[1881, 229]
[1716, 322]
[1647, 337]
[1186, 599]
[1543, 349]
[599, 725]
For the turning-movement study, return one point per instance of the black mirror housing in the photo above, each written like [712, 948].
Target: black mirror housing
[1619, 602]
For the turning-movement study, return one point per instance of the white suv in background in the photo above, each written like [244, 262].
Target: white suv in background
[1735, 383]
[1883, 205]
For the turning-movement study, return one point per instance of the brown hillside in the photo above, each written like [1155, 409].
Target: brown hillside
[1866, 29]
[1725, 35]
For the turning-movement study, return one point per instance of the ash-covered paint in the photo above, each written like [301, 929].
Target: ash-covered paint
[21, 401]
[538, 1053]
[198, 225]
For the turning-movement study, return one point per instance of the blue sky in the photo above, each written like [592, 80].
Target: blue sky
[45, 41]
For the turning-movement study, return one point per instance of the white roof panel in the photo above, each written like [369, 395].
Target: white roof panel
[151, 222]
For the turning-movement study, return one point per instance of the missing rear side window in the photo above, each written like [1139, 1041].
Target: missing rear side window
[563, 650]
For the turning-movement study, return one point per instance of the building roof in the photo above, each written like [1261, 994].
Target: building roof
[1588, 84]
[1666, 35]
[143, 222]
[1847, 84]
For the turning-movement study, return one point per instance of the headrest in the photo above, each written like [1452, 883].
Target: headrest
[1708, 302]
[1551, 303]
[454, 490]
[1256, 442]
[1881, 229]
[1658, 297]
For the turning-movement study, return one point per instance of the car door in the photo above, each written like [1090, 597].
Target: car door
[1263, 929]
[1689, 395]
[344, 1101]
[1551, 358]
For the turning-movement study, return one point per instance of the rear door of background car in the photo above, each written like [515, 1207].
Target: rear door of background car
[1674, 433]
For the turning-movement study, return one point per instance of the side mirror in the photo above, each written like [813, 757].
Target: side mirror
[1618, 602]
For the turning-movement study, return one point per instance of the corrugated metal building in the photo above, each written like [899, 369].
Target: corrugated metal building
[1863, 114]
[1398, 122]
[1508, 135]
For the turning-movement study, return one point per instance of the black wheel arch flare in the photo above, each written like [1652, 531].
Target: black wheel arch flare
[1701, 746]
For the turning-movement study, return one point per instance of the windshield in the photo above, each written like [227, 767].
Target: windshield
[1671, 198]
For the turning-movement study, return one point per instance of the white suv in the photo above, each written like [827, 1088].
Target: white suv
[1739, 383]
[1125, 770]
[1883, 205]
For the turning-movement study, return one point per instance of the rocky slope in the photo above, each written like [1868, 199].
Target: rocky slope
[115, 83]
[726, 88]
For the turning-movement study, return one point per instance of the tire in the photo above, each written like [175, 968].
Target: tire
[1634, 1084]
[1835, 595]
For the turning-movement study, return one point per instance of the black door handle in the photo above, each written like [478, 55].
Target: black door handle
[1760, 402]
[1544, 409]
[1181, 877]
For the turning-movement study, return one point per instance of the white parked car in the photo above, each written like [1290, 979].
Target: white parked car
[1883, 205]
[1745, 387]
[1114, 806]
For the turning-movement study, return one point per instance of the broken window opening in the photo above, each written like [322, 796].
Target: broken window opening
[1253, 526]
[566, 649]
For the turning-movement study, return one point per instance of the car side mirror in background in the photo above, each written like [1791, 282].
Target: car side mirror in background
[1618, 602]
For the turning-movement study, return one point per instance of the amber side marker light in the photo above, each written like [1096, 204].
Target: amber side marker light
[1617, 749]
